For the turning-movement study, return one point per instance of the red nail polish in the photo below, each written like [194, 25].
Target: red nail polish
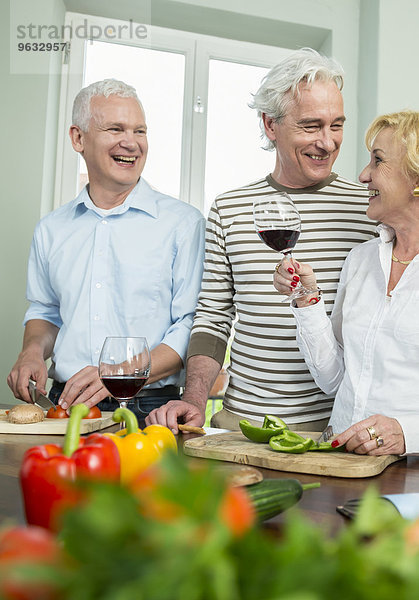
[293, 284]
[290, 270]
[296, 278]
[334, 443]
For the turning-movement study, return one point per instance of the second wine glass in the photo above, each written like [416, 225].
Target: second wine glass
[278, 224]
[124, 366]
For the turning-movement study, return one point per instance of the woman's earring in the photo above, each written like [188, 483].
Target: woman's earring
[416, 191]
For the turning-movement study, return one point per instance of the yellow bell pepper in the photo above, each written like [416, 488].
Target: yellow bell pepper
[138, 449]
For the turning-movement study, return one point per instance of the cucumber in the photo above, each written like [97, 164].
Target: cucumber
[272, 496]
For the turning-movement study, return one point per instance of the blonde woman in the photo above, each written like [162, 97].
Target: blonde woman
[367, 353]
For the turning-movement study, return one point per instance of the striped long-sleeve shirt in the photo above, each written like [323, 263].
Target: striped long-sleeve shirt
[268, 375]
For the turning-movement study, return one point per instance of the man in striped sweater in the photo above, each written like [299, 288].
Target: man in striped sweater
[301, 112]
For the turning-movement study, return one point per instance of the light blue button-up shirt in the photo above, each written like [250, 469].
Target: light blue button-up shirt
[133, 272]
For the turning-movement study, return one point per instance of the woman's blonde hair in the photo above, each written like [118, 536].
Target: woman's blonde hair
[405, 125]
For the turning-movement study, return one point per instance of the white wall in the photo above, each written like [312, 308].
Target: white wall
[388, 66]
[398, 56]
[29, 108]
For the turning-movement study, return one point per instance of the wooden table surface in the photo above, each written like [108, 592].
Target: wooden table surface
[318, 504]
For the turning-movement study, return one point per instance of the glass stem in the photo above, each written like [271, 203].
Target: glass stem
[122, 404]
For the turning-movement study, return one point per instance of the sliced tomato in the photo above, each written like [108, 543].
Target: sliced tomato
[57, 413]
[60, 413]
[94, 413]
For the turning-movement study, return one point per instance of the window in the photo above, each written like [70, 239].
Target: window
[162, 101]
[232, 156]
[203, 137]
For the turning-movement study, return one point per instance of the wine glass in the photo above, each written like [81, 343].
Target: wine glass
[278, 224]
[124, 366]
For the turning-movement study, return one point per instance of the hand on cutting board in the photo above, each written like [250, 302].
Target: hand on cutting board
[376, 436]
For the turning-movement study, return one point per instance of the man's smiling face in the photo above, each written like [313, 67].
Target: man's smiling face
[309, 137]
[115, 145]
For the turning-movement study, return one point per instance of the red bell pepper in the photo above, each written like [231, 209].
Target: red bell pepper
[50, 474]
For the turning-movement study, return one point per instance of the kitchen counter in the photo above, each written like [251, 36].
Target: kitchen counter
[319, 505]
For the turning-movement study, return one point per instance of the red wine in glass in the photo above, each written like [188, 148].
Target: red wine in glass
[281, 240]
[123, 387]
[124, 366]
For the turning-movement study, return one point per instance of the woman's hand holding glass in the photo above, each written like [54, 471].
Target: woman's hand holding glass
[278, 223]
[289, 273]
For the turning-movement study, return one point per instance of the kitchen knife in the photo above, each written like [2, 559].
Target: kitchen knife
[326, 435]
[39, 398]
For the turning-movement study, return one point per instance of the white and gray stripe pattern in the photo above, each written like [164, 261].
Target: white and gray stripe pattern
[267, 371]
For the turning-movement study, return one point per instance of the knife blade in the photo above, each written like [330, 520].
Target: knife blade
[39, 398]
[325, 435]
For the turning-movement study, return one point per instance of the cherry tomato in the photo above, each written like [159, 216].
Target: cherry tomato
[57, 413]
[31, 542]
[27, 545]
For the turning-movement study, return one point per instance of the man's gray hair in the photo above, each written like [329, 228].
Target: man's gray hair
[81, 107]
[280, 86]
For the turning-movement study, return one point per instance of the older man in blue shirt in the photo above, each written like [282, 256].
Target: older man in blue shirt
[121, 259]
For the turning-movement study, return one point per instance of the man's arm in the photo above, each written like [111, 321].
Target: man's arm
[38, 343]
[201, 374]
[164, 362]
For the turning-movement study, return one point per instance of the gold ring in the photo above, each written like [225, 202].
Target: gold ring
[371, 433]
[277, 267]
[379, 441]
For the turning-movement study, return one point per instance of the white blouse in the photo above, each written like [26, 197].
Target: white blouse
[368, 351]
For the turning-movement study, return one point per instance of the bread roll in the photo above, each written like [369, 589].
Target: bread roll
[26, 413]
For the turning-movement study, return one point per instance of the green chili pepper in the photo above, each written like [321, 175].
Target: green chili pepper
[258, 434]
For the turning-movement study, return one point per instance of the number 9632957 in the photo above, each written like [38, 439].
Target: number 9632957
[42, 46]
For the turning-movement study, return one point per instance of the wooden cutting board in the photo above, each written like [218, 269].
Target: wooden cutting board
[54, 426]
[234, 447]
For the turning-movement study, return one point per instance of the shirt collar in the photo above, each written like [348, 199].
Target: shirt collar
[306, 190]
[386, 233]
[142, 197]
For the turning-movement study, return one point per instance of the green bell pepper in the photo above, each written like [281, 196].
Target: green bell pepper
[273, 422]
[271, 426]
[282, 444]
[294, 443]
